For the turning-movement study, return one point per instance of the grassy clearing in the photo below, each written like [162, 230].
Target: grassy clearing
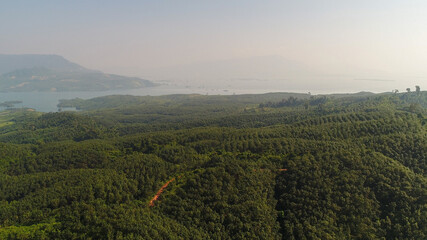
[7, 117]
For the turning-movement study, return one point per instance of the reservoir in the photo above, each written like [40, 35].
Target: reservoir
[47, 101]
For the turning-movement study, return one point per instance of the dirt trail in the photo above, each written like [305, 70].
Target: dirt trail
[156, 197]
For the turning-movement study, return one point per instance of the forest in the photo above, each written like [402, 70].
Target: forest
[267, 166]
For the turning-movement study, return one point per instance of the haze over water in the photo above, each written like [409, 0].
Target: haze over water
[302, 46]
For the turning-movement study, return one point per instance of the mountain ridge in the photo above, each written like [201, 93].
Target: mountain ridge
[37, 72]
[12, 62]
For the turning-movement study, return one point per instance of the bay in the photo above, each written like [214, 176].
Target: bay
[47, 101]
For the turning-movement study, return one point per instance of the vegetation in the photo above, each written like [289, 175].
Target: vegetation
[355, 168]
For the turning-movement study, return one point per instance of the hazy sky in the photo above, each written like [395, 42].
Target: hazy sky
[385, 38]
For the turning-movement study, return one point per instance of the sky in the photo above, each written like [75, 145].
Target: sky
[379, 44]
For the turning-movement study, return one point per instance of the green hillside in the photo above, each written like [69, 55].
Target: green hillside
[271, 166]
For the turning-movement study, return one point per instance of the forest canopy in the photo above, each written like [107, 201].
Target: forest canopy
[271, 166]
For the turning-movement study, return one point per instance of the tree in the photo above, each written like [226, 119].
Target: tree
[306, 105]
[413, 107]
[417, 89]
[408, 90]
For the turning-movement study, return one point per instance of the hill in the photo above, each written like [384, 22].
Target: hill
[9, 63]
[273, 166]
[25, 73]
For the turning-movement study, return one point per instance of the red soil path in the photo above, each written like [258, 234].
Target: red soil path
[156, 197]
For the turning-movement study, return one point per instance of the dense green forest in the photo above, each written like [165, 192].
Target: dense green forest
[270, 166]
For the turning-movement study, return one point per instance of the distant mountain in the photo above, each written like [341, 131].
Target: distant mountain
[9, 63]
[26, 73]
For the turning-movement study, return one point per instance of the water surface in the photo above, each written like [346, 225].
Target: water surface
[47, 101]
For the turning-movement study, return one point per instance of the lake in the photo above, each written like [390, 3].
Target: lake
[47, 101]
